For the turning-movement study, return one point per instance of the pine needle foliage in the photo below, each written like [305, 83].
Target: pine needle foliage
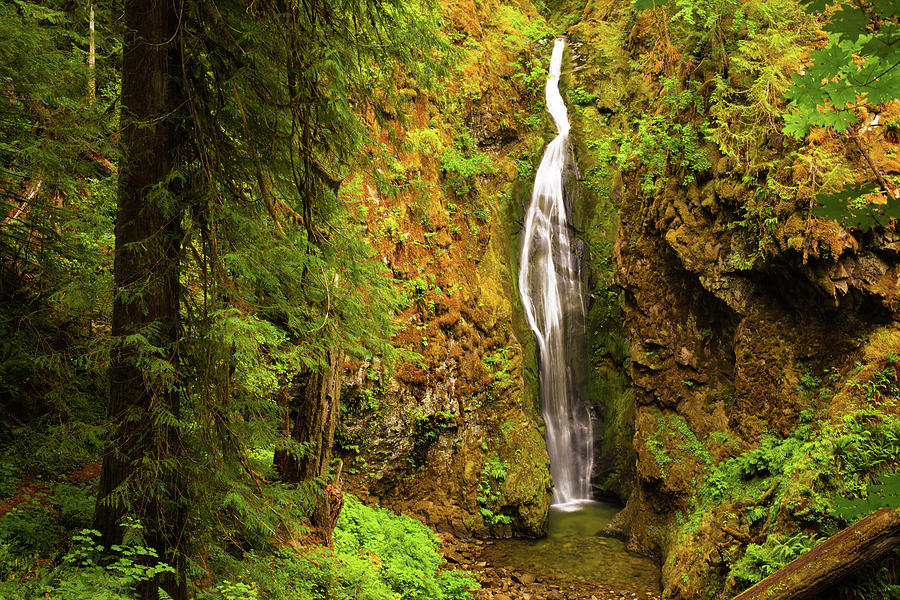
[274, 104]
[57, 194]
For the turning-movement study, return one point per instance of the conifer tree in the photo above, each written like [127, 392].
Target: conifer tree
[239, 275]
[144, 402]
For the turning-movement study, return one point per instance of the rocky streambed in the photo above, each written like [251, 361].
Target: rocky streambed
[571, 563]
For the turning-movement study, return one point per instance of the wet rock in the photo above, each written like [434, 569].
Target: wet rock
[523, 578]
[686, 358]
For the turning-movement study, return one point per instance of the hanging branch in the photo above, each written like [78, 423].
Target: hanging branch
[881, 181]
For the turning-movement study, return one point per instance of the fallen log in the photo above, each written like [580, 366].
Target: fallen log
[867, 540]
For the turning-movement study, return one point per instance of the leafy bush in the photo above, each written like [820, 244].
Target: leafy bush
[81, 576]
[29, 529]
[462, 162]
[404, 550]
[761, 560]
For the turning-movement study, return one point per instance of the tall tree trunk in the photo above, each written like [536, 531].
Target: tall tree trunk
[91, 58]
[137, 477]
[315, 413]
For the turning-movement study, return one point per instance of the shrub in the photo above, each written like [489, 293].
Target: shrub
[404, 550]
[462, 162]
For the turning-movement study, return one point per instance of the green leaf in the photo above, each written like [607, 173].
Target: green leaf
[839, 120]
[885, 45]
[841, 94]
[884, 493]
[804, 91]
[832, 59]
[796, 125]
[848, 207]
[819, 5]
[886, 7]
[648, 4]
[849, 23]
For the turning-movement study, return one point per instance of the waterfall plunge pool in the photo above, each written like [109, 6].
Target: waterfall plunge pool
[573, 552]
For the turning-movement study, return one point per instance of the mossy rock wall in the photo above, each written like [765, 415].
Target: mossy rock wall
[757, 336]
[454, 436]
[596, 222]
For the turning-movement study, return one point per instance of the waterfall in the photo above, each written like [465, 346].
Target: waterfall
[551, 291]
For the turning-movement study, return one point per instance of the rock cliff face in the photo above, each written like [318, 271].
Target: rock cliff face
[720, 348]
[747, 318]
[453, 434]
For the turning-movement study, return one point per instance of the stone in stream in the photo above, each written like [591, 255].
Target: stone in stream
[523, 578]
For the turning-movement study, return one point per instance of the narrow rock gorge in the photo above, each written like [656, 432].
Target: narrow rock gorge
[452, 299]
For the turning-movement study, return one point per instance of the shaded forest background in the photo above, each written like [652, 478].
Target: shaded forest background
[214, 212]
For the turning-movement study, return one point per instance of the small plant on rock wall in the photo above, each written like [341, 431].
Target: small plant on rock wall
[427, 428]
[581, 97]
[498, 363]
[462, 162]
[414, 291]
[491, 481]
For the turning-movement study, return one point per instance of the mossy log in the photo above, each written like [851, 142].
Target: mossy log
[867, 540]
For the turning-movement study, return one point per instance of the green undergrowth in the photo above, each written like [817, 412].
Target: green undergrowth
[490, 486]
[399, 553]
[377, 555]
[778, 500]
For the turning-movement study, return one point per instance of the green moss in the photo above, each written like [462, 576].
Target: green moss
[691, 443]
[657, 447]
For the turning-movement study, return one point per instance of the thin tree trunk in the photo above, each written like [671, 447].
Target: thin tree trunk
[314, 422]
[92, 59]
[135, 480]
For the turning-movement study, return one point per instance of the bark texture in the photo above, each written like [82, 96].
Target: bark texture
[313, 416]
[144, 401]
[815, 572]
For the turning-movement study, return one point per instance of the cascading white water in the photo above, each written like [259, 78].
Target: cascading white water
[554, 306]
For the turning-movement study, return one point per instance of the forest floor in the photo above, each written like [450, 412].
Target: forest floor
[500, 582]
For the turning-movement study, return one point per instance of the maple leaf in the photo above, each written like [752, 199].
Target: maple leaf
[885, 45]
[847, 207]
[885, 7]
[796, 124]
[805, 92]
[833, 58]
[841, 94]
[849, 23]
[838, 120]
[819, 5]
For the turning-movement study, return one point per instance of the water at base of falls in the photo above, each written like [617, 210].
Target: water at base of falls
[573, 552]
[550, 284]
